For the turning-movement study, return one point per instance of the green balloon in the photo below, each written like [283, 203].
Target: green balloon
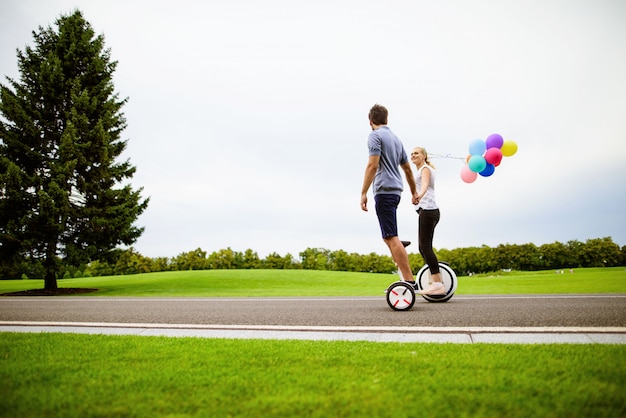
[477, 163]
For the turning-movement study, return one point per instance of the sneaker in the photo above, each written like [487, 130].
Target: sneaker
[436, 288]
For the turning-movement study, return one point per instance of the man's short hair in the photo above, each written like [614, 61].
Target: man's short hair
[378, 115]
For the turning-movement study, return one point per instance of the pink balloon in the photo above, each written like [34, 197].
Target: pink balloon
[467, 175]
[493, 156]
[494, 141]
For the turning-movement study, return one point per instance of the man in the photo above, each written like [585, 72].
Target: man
[386, 157]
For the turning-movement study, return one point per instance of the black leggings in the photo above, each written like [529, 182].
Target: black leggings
[428, 220]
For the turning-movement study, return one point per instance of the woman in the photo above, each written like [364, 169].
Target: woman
[428, 212]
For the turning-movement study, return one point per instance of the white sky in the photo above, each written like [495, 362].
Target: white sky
[247, 120]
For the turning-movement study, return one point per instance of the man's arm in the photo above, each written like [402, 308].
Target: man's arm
[408, 173]
[368, 178]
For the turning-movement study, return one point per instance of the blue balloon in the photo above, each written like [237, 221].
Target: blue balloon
[488, 170]
[477, 147]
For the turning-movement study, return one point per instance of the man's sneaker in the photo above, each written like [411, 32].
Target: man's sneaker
[436, 288]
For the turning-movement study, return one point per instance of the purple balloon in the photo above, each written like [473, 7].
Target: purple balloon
[494, 141]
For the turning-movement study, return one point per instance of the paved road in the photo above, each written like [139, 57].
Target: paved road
[460, 311]
[555, 314]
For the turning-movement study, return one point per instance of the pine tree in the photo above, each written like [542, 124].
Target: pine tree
[64, 197]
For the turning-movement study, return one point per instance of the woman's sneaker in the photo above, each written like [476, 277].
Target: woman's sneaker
[437, 288]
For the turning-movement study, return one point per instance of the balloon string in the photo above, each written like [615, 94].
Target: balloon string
[446, 156]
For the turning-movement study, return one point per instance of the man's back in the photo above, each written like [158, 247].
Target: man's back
[385, 144]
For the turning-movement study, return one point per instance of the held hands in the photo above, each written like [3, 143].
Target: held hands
[415, 200]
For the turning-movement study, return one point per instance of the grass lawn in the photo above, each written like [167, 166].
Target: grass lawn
[72, 375]
[242, 283]
[68, 375]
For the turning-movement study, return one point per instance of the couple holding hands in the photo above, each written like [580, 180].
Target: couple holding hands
[387, 160]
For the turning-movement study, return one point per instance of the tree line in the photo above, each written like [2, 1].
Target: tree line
[598, 252]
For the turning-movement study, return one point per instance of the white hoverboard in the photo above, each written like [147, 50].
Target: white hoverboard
[401, 295]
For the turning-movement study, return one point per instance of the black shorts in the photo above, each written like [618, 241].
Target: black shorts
[386, 208]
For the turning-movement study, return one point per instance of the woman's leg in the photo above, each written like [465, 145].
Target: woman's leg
[428, 220]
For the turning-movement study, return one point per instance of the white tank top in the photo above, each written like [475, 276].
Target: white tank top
[428, 200]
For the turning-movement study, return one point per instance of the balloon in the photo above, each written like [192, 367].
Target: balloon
[477, 147]
[477, 163]
[493, 156]
[509, 148]
[494, 141]
[489, 169]
[467, 175]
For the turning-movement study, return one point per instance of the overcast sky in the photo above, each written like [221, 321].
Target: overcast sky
[247, 120]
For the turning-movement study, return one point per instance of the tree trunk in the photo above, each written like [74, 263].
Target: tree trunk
[50, 282]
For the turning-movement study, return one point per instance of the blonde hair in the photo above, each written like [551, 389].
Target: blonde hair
[426, 160]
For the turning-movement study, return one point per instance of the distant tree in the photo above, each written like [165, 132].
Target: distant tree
[315, 259]
[192, 260]
[576, 249]
[160, 264]
[556, 255]
[131, 262]
[417, 261]
[251, 260]
[377, 263]
[276, 261]
[225, 259]
[98, 268]
[63, 197]
[340, 261]
[524, 257]
[601, 252]
[456, 258]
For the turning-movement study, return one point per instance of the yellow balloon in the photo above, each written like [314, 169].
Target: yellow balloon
[508, 148]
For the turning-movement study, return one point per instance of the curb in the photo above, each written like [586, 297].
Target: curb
[460, 335]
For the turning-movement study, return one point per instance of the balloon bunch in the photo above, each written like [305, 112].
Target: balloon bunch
[485, 156]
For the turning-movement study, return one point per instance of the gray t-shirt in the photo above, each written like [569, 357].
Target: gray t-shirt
[384, 143]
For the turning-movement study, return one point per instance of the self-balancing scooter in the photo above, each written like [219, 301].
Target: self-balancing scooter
[401, 295]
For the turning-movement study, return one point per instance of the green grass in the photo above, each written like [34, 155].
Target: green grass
[71, 375]
[242, 283]
[54, 375]
[589, 280]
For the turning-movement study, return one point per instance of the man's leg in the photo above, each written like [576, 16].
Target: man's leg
[399, 255]
[386, 207]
